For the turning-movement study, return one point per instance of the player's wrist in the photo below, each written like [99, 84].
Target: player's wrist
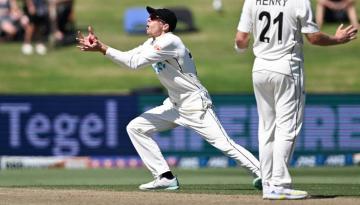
[103, 48]
[239, 50]
[339, 40]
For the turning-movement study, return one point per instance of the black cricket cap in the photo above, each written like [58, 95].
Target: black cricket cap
[165, 15]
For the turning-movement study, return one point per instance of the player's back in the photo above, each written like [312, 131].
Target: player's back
[276, 28]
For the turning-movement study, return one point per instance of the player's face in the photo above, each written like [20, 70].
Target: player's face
[155, 26]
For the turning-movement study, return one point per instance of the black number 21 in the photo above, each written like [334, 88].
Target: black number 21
[278, 19]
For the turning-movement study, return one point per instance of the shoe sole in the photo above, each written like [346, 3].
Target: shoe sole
[172, 188]
[283, 197]
[167, 188]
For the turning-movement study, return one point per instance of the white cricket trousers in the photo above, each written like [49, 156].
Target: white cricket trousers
[280, 102]
[205, 123]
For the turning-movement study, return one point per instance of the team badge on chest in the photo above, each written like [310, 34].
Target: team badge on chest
[158, 67]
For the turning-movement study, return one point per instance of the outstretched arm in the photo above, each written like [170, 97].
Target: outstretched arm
[90, 42]
[342, 35]
[136, 58]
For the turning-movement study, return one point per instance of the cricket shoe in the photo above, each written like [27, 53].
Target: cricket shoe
[161, 183]
[40, 49]
[27, 49]
[281, 193]
[257, 183]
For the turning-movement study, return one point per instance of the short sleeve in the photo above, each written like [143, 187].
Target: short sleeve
[245, 23]
[306, 17]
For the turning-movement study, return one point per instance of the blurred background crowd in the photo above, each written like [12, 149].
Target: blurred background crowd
[43, 23]
[38, 23]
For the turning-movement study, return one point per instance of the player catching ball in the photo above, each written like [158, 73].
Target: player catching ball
[278, 80]
[188, 104]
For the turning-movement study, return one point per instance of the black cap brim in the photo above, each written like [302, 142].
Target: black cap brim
[150, 10]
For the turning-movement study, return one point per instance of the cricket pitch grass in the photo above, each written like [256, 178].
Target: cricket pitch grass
[327, 185]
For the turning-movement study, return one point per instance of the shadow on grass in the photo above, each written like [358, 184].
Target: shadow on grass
[323, 196]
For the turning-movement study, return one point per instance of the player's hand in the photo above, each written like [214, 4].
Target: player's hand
[89, 42]
[347, 34]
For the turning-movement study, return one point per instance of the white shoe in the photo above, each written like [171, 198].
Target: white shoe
[27, 49]
[279, 193]
[40, 49]
[161, 183]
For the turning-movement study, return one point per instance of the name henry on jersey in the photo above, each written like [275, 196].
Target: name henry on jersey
[271, 2]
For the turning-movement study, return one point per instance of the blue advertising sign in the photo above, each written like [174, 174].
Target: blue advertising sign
[96, 125]
[66, 125]
[331, 125]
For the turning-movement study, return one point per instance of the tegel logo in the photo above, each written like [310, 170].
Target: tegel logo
[66, 130]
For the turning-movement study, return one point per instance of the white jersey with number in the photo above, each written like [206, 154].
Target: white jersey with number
[174, 66]
[277, 27]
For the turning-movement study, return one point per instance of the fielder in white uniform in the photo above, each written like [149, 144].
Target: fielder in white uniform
[188, 104]
[278, 80]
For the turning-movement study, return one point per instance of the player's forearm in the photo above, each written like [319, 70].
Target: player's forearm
[322, 39]
[126, 59]
[117, 56]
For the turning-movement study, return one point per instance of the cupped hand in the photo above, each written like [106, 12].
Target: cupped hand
[89, 42]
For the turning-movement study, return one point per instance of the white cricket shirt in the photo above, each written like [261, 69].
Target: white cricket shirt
[174, 66]
[277, 27]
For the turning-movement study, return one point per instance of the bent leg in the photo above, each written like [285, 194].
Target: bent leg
[9, 28]
[140, 131]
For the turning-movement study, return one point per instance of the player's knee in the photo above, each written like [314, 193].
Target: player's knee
[135, 127]
[131, 127]
[9, 29]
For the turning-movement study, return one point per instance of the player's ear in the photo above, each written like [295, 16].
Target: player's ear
[166, 27]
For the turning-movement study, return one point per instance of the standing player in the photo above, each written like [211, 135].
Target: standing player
[278, 72]
[188, 104]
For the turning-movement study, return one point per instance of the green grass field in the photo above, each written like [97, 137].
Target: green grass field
[67, 70]
[319, 182]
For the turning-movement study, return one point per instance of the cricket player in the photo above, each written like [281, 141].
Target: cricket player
[278, 80]
[188, 104]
